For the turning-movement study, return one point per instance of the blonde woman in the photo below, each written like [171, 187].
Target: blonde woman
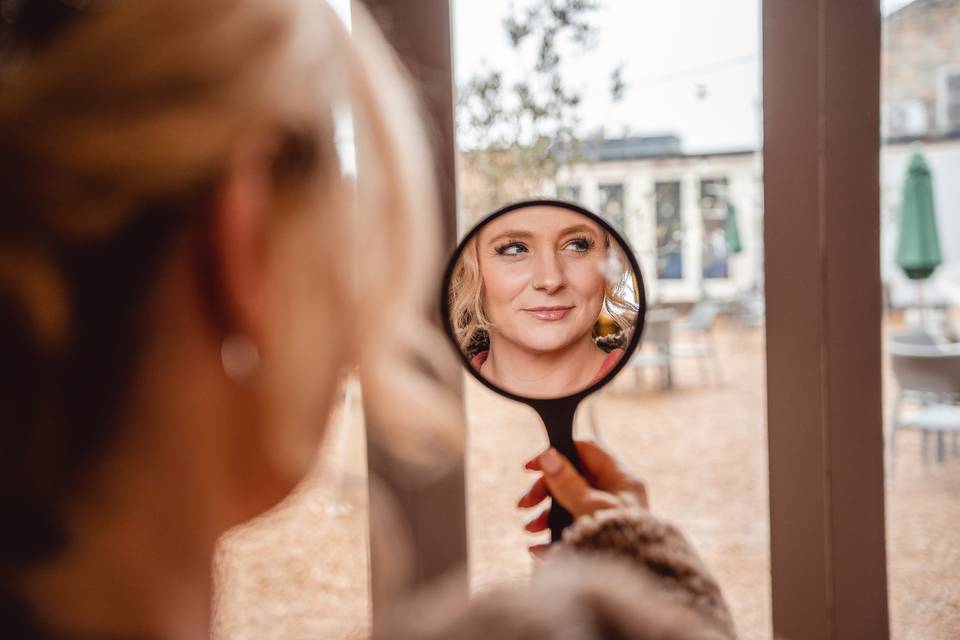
[526, 297]
[180, 291]
[179, 258]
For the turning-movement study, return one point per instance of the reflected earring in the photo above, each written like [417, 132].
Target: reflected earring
[240, 357]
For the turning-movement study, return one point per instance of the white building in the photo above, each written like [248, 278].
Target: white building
[920, 109]
[672, 208]
[659, 194]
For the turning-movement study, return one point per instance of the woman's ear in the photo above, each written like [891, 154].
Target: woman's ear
[239, 238]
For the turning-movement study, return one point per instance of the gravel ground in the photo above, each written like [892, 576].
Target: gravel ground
[301, 571]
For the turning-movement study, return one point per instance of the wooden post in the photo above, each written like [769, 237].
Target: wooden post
[435, 511]
[821, 75]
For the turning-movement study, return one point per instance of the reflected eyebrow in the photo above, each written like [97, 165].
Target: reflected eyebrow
[579, 227]
[527, 234]
[509, 234]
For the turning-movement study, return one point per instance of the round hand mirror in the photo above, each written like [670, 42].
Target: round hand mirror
[545, 303]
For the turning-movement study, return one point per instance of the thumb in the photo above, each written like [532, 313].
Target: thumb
[566, 485]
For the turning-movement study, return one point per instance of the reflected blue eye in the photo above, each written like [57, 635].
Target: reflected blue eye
[511, 249]
[580, 245]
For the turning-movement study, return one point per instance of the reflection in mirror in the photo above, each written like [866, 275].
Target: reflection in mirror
[543, 301]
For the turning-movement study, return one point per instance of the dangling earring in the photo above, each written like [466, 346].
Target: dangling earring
[240, 357]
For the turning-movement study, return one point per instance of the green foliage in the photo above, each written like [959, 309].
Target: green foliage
[519, 134]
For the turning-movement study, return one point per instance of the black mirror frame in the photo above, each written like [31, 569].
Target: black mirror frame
[617, 236]
[557, 413]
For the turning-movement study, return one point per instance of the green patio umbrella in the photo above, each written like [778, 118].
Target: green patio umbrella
[918, 250]
[731, 232]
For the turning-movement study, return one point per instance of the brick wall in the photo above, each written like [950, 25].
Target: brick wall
[918, 40]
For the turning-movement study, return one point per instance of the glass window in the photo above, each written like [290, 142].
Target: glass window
[611, 204]
[714, 213]
[920, 266]
[949, 97]
[670, 235]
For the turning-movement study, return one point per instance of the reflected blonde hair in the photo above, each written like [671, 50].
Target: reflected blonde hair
[405, 377]
[466, 295]
[139, 102]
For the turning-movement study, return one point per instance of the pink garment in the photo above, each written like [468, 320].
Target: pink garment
[609, 363]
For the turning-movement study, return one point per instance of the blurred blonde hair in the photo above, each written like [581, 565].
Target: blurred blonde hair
[466, 294]
[137, 102]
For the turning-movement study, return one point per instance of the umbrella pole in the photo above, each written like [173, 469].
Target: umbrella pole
[923, 318]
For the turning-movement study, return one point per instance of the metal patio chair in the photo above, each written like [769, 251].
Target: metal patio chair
[699, 325]
[929, 376]
[915, 337]
[655, 351]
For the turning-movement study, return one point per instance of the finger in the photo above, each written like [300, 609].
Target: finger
[564, 483]
[539, 523]
[599, 463]
[610, 475]
[533, 464]
[534, 495]
[539, 551]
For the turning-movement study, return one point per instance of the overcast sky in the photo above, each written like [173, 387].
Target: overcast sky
[691, 66]
[669, 50]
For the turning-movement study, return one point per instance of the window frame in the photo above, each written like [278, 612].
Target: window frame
[821, 128]
[821, 104]
[715, 179]
[678, 217]
[943, 99]
[434, 509]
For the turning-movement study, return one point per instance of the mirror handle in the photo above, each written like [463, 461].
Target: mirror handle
[559, 518]
[557, 416]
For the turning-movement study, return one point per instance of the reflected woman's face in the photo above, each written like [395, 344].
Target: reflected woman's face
[542, 275]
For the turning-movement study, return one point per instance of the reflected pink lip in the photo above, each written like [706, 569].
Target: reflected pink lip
[548, 313]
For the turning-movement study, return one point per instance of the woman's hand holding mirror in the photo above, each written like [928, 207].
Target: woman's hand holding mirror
[604, 483]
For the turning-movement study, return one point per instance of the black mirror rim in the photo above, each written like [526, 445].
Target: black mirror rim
[576, 208]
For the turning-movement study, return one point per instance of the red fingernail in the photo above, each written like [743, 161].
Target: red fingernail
[551, 462]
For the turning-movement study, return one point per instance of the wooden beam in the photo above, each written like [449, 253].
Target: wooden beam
[821, 74]
[434, 510]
